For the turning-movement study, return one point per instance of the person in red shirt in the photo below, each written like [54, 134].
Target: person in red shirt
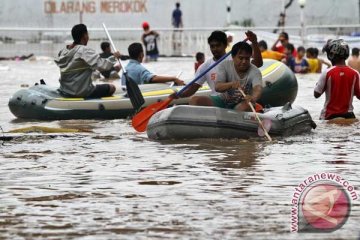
[200, 59]
[281, 43]
[339, 82]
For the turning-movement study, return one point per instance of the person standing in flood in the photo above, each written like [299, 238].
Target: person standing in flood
[177, 22]
[354, 60]
[339, 82]
[149, 39]
[77, 62]
[281, 43]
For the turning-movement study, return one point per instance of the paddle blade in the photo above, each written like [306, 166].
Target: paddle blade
[267, 125]
[141, 120]
[134, 93]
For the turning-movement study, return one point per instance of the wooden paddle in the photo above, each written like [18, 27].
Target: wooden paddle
[257, 117]
[140, 120]
[133, 91]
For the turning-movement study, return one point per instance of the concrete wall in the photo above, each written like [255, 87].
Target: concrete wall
[196, 13]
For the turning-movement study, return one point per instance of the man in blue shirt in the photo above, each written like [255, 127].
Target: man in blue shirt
[177, 17]
[137, 72]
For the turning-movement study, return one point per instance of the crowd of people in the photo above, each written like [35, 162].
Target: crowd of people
[301, 60]
[238, 73]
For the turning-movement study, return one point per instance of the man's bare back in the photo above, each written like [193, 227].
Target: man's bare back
[354, 62]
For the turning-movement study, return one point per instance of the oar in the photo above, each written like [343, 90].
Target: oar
[177, 76]
[134, 93]
[257, 116]
[140, 120]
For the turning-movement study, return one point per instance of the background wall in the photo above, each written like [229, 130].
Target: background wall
[196, 13]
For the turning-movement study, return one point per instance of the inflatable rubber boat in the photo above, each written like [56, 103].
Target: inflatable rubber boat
[44, 102]
[189, 122]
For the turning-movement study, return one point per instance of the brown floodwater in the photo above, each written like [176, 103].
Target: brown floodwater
[110, 182]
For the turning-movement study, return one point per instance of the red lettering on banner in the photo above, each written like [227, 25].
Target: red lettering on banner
[63, 8]
[50, 7]
[105, 6]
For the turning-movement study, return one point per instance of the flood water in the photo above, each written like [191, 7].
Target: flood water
[114, 183]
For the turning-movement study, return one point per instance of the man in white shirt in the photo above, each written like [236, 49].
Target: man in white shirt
[217, 42]
[236, 74]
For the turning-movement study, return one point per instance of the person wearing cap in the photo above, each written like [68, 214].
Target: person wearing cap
[149, 39]
[339, 82]
[77, 62]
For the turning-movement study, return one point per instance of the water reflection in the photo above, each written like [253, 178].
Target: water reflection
[223, 153]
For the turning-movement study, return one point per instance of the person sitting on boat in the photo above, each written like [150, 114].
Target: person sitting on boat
[235, 74]
[298, 64]
[217, 42]
[149, 39]
[77, 63]
[269, 54]
[339, 82]
[106, 53]
[138, 73]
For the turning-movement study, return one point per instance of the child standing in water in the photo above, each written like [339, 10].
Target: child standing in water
[200, 59]
[299, 64]
[149, 39]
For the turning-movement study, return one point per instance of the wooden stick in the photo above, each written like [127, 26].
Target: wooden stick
[257, 116]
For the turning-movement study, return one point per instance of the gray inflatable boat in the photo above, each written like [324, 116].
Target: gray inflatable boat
[189, 122]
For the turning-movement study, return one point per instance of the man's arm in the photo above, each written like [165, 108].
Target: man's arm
[257, 61]
[274, 48]
[224, 86]
[164, 79]
[357, 87]
[256, 93]
[143, 39]
[95, 61]
[316, 94]
[190, 90]
[320, 85]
